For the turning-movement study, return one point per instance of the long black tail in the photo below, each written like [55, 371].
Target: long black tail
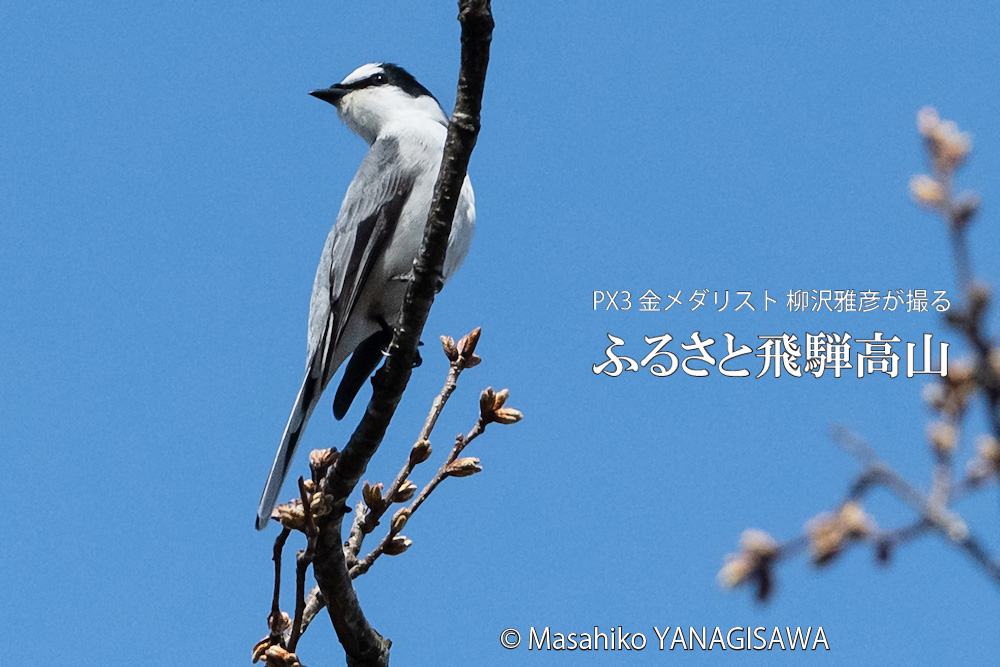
[305, 402]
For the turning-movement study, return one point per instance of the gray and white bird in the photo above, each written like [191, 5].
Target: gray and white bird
[368, 257]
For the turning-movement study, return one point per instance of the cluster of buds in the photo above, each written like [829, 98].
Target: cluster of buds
[951, 396]
[274, 655]
[948, 147]
[372, 494]
[374, 498]
[465, 351]
[321, 460]
[753, 563]
[491, 408]
[986, 463]
[396, 543]
[830, 533]
[292, 514]
[270, 650]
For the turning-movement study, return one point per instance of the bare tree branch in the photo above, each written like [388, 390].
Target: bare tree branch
[314, 501]
[829, 534]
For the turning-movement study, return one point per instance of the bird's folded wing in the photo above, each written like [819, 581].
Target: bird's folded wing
[367, 221]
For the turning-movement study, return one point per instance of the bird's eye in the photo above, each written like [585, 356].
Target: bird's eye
[378, 78]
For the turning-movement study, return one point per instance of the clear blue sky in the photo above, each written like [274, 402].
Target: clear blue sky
[167, 184]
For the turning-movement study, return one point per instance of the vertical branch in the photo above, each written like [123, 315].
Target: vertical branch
[948, 148]
[363, 645]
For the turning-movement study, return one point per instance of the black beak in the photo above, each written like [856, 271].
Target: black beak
[333, 94]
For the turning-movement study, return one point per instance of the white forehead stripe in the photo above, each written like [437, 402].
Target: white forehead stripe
[362, 73]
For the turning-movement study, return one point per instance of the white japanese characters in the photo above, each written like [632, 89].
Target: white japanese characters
[780, 354]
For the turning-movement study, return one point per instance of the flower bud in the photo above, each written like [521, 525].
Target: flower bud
[487, 400]
[397, 545]
[854, 521]
[926, 191]
[450, 350]
[321, 504]
[934, 396]
[927, 121]
[399, 520]
[276, 656]
[405, 492]
[507, 416]
[988, 449]
[467, 345]
[826, 538]
[953, 146]
[501, 398]
[372, 494]
[290, 515]
[987, 460]
[420, 452]
[735, 571]
[758, 544]
[321, 459]
[942, 436]
[464, 467]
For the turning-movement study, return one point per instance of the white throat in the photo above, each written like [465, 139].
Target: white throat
[367, 112]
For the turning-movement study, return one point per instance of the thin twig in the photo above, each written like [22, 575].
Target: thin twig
[314, 604]
[353, 545]
[941, 481]
[848, 441]
[461, 442]
[367, 523]
[279, 546]
[302, 561]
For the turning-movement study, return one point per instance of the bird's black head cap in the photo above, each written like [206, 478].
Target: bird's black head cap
[399, 77]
